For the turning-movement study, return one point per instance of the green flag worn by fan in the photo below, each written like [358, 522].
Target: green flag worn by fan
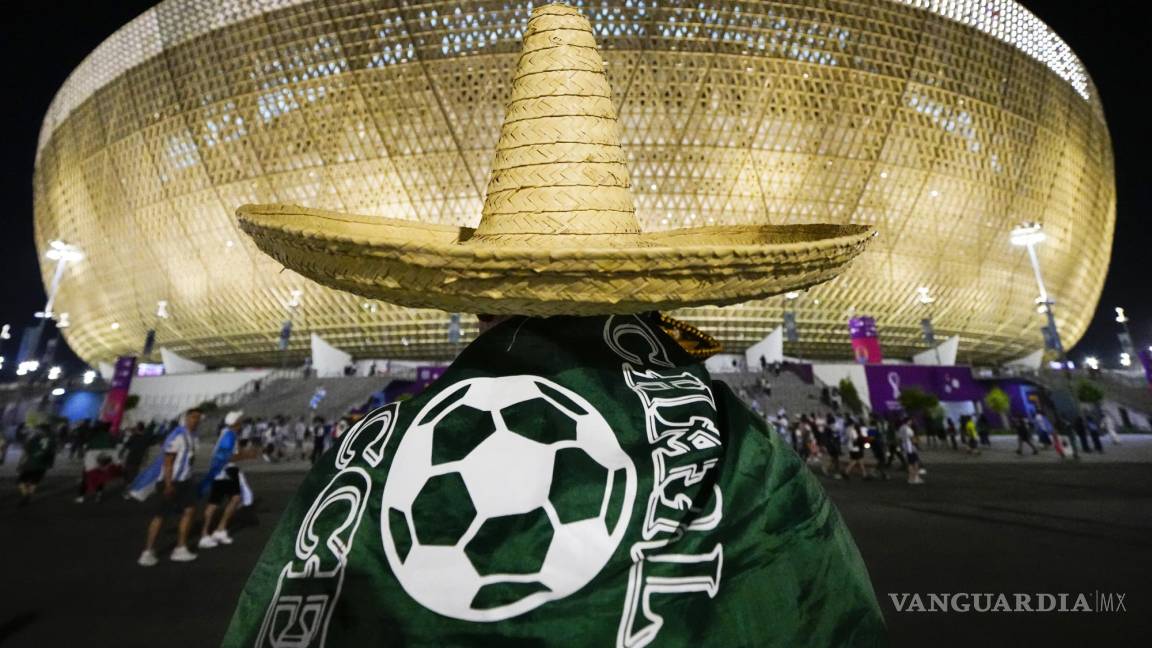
[575, 477]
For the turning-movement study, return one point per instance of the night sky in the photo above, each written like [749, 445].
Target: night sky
[42, 42]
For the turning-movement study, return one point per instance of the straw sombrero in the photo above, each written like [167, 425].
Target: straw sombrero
[558, 234]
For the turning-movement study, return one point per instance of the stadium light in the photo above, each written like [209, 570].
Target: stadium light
[791, 295]
[60, 251]
[1092, 362]
[54, 373]
[1120, 316]
[162, 309]
[1125, 360]
[89, 377]
[6, 332]
[1028, 234]
[59, 391]
[63, 254]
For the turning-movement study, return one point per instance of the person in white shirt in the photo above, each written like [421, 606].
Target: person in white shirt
[172, 474]
[301, 434]
[856, 438]
[907, 438]
[224, 485]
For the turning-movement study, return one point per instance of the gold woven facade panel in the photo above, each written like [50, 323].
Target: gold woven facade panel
[942, 123]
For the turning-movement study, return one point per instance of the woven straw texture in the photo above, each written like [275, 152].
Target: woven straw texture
[558, 234]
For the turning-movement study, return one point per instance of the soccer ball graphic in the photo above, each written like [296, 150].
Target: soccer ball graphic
[504, 494]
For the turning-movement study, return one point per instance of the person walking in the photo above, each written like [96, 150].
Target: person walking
[267, 432]
[300, 431]
[1094, 433]
[133, 450]
[78, 439]
[1043, 429]
[224, 485]
[952, 432]
[907, 438]
[895, 450]
[1023, 436]
[971, 436]
[318, 433]
[1110, 429]
[879, 447]
[855, 450]
[833, 446]
[1080, 429]
[172, 473]
[100, 464]
[246, 431]
[984, 430]
[39, 455]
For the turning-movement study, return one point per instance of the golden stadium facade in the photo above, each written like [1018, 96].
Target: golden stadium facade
[943, 123]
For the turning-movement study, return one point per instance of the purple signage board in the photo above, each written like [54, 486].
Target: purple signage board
[865, 340]
[947, 383]
[862, 327]
[427, 375]
[113, 409]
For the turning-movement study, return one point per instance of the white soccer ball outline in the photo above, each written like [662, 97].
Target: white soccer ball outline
[441, 578]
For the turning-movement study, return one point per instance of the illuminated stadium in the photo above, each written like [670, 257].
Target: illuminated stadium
[942, 123]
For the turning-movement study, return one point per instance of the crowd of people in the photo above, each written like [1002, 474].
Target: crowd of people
[841, 445]
[172, 476]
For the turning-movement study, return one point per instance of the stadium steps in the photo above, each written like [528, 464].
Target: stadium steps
[1127, 395]
[291, 397]
[788, 392]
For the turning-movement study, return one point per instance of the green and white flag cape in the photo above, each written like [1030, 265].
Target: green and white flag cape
[568, 481]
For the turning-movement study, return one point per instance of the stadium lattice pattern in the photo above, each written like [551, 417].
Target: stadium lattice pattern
[943, 123]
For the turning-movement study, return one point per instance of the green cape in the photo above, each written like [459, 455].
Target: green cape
[568, 481]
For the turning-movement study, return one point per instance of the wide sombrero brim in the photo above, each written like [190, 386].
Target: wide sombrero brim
[420, 265]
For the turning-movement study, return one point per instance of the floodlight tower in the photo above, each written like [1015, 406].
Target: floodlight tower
[1028, 235]
[63, 254]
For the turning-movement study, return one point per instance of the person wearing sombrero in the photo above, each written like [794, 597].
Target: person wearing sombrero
[575, 477]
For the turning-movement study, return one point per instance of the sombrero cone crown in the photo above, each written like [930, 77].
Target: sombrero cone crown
[558, 233]
[559, 169]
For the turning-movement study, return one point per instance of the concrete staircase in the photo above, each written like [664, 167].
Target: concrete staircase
[290, 397]
[1128, 394]
[788, 392]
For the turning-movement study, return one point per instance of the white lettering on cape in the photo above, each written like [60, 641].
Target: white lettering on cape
[680, 413]
[309, 585]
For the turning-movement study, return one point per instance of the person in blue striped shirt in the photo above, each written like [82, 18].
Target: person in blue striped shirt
[172, 474]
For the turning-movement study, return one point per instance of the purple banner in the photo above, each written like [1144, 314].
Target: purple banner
[427, 375]
[862, 327]
[113, 410]
[948, 384]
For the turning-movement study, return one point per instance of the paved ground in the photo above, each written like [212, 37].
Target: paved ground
[994, 523]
